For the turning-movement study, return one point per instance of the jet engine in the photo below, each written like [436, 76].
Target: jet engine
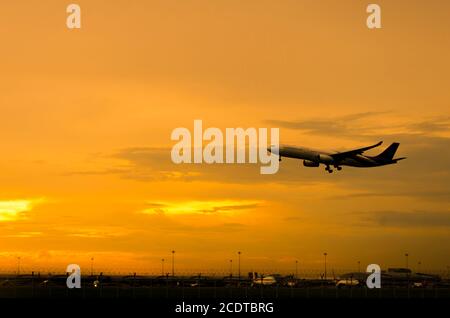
[309, 163]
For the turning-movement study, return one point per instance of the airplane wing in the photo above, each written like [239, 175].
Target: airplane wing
[342, 155]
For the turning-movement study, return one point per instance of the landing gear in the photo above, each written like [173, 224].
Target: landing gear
[327, 168]
[279, 158]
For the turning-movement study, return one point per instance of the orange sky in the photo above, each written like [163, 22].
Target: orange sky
[87, 116]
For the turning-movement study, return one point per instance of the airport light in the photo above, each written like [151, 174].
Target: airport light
[239, 266]
[406, 257]
[18, 266]
[162, 266]
[173, 263]
[231, 268]
[325, 256]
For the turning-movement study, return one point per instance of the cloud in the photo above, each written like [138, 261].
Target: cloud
[359, 126]
[199, 207]
[348, 125]
[425, 174]
[24, 234]
[154, 164]
[215, 228]
[430, 195]
[358, 116]
[294, 219]
[100, 232]
[13, 210]
[419, 219]
[440, 124]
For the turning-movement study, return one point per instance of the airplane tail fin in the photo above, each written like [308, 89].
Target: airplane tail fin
[388, 153]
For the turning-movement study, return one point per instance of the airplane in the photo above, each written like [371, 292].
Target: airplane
[352, 158]
[265, 280]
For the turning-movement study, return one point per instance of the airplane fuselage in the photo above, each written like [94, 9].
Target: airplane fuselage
[322, 157]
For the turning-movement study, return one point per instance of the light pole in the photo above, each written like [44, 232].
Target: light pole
[18, 266]
[239, 266]
[406, 257]
[296, 269]
[231, 268]
[418, 266]
[359, 266]
[173, 263]
[162, 267]
[325, 256]
[92, 266]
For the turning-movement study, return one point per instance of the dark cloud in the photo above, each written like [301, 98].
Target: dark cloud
[428, 195]
[222, 228]
[357, 116]
[419, 219]
[353, 126]
[148, 156]
[150, 164]
[425, 174]
[294, 219]
[348, 125]
[432, 126]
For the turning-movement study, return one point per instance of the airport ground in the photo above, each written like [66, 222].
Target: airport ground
[260, 292]
[125, 295]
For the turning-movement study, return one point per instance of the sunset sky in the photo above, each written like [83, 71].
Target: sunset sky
[86, 118]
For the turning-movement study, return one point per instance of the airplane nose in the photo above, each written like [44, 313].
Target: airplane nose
[274, 149]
